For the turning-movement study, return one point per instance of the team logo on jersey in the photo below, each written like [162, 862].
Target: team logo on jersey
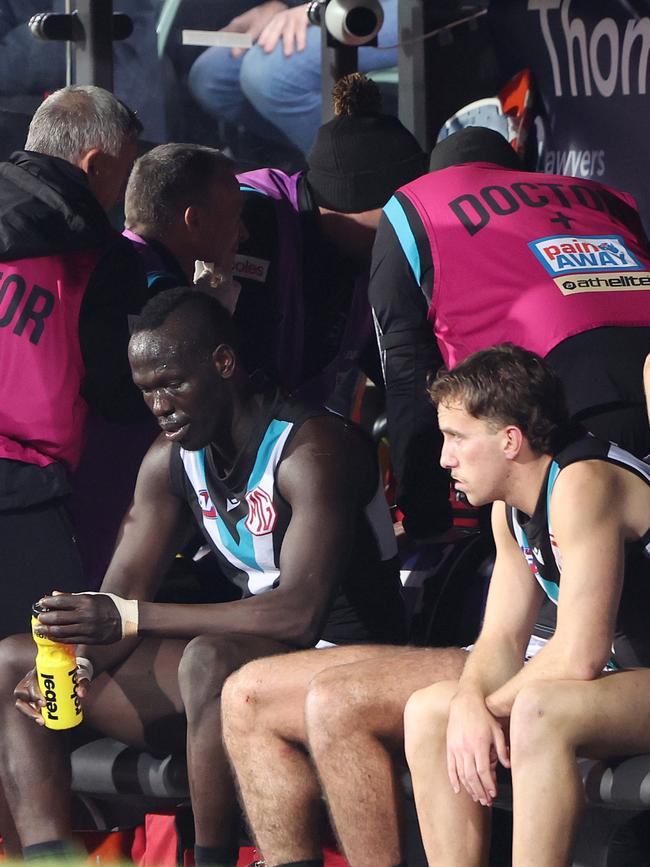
[205, 502]
[262, 514]
[590, 263]
[557, 554]
[530, 559]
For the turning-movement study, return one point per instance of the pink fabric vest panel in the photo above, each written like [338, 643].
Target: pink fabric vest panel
[528, 258]
[42, 415]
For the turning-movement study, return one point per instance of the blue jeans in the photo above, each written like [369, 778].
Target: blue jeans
[274, 96]
[28, 65]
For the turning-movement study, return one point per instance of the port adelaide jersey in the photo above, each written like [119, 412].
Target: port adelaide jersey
[244, 519]
[534, 535]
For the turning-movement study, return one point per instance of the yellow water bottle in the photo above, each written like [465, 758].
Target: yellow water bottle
[56, 668]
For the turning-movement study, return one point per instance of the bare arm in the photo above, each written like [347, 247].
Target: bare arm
[153, 530]
[586, 510]
[512, 605]
[475, 736]
[327, 472]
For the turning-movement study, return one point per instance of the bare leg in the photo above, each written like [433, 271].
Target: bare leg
[34, 762]
[141, 703]
[550, 724]
[10, 841]
[34, 765]
[455, 829]
[264, 730]
[354, 719]
[206, 663]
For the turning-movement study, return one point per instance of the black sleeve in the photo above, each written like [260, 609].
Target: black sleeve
[258, 314]
[116, 290]
[409, 353]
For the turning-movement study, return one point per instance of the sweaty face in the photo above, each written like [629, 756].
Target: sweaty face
[219, 230]
[184, 391]
[473, 452]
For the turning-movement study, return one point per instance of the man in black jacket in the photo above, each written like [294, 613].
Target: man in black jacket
[68, 284]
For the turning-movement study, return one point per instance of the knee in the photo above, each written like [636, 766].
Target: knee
[257, 78]
[333, 710]
[537, 722]
[272, 80]
[244, 699]
[425, 719]
[328, 711]
[212, 77]
[205, 664]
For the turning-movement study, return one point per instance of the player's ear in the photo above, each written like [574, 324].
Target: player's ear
[224, 360]
[191, 217]
[513, 441]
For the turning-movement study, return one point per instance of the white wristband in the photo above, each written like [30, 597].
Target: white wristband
[126, 608]
[85, 669]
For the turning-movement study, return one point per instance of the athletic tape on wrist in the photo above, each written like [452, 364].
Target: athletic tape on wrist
[85, 669]
[126, 608]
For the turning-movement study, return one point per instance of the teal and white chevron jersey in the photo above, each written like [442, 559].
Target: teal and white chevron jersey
[244, 519]
[534, 535]
[240, 525]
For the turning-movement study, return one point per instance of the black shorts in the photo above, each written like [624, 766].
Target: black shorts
[39, 554]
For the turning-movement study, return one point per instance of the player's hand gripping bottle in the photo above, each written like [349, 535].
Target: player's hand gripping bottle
[56, 668]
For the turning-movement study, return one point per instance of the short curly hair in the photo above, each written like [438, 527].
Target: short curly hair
[506, 384]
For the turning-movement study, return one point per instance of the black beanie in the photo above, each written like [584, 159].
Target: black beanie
[474, 144]
[357, 162]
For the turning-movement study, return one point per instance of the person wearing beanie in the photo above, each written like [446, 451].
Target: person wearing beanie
[303, 309]
[461, 262]
[359, 158]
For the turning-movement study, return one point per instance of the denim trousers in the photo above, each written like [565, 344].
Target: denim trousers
[278, 97]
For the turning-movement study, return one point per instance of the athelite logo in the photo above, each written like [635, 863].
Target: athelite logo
[262, 514]
[590, 263]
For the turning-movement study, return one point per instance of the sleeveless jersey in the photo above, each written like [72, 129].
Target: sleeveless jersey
[524, 257]
[244, 519]
[535, 538]
[42, 414]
